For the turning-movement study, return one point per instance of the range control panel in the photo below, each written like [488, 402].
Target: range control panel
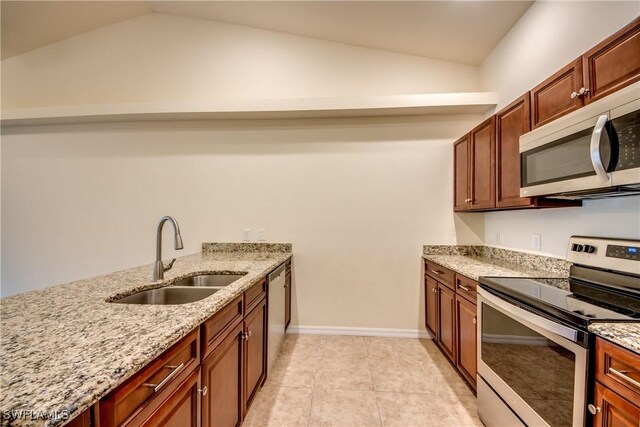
[610, 254]
[624, 252]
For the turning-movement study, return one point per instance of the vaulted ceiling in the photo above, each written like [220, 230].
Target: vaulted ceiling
[458, 31]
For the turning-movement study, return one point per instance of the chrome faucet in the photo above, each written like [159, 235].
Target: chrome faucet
[159, 268]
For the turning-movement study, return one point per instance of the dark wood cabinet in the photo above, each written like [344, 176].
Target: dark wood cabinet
[558, 95]
[613, 410]
[612, 64]
[431, 305]
[512, 122]
[180, 409]
[483, 171]
[255, 351]
[466, 338]
[450, 317]
[447, 321]
[461, 167]
[222, 406]
[287, 296]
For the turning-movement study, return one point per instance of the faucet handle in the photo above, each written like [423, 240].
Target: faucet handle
[168, 267]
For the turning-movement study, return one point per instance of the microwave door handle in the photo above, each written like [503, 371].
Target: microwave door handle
[596, 139]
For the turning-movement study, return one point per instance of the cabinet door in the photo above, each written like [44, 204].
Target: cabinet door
[447, 321]
[180, 409]
[512, 122]
[222, 376]
[466, 341]
[461, 174]
[483, 166]
[553, 97]
[613, 410]
[255, 351]
[431, 306]
[612, 64]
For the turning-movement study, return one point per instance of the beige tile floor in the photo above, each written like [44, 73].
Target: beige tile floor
[347, 381]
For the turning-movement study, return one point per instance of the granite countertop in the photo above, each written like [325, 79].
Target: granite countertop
[474, 267]
[625, 334]
[65, 347]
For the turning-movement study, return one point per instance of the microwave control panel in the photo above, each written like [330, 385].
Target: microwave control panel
[627, 128]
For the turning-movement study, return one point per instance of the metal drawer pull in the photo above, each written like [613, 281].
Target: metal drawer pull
[622, 376]
[438, 272]
[464, 288]
[168, 378]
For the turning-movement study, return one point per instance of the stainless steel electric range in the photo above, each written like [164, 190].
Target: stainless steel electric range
[534, 343]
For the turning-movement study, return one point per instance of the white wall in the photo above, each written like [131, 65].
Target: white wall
[548, 36]
[358, 198]
[165, 58]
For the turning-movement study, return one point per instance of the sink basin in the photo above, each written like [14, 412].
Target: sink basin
[168, 295]
[209, 280]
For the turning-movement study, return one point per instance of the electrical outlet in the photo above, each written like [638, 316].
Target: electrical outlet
[246, 234]
[535, 242]
[262, 234]
[496, 237]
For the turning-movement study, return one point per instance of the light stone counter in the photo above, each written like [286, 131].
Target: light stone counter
[65, 347]
[626, 335]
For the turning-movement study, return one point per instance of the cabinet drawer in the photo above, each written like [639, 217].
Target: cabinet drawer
[218, 326]
[466, 287]
[253, 295]
[441, 274]
[618, 369]
[152, 383]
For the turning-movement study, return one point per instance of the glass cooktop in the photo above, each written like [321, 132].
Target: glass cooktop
[570, 301]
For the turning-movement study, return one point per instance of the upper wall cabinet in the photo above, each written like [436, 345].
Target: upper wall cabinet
[558, 95]
[461, 174]
[511, 122]
[609, 66]
[613, 63]
[483, 171]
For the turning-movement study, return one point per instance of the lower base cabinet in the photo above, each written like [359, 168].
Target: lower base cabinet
[222, 405]
[255, 352]
[466, 339]
[447, 321]
[613, 410]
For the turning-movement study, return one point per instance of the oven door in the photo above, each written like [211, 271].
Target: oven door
[533, 364]
[572, 159]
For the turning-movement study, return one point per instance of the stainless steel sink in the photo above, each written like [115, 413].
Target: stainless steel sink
[209, 280]
[168, 295]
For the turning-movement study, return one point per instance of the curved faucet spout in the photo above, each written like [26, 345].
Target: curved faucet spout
[159, 268]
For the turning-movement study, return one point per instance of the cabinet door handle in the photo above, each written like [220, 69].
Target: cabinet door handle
[203, 390]
[464, 288]
[475, 321]
[157, 387]
[583, 91]
[593, 409]
[574, 95]
[622, 376]
[247, 335]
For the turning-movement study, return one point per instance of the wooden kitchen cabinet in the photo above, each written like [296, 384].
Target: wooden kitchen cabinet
[222, 406]
[466, 338]
[255, 352]
[447, 321]
[558, 95]
[450, 317]
[482, 160]
[431, 306]
[617, 386]
[613, 63]
[461, 167]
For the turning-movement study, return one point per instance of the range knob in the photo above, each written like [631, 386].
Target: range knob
[589, 249]
[577, 248]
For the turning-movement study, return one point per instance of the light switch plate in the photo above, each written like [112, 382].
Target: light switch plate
[496, 238]
[262, 234]
[246, 234]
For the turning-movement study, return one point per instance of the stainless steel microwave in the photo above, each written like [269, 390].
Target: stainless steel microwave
[593, 152]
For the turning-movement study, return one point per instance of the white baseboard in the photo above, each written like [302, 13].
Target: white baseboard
[364, 332]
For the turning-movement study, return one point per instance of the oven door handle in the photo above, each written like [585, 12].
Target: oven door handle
[594, 149]
[520, 314]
